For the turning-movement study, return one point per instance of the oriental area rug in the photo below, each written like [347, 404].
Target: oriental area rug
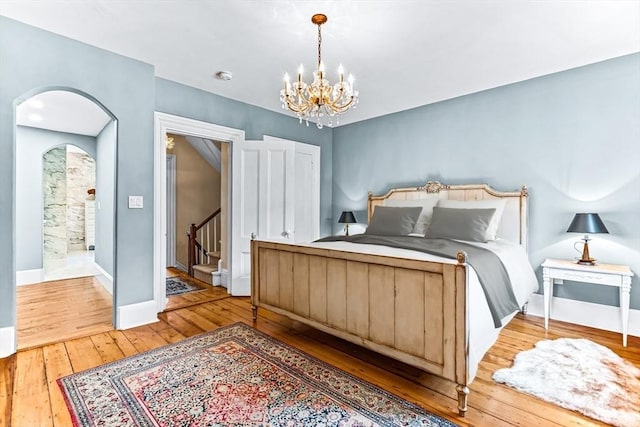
[177, 286]
[580, 375]
[233, 376]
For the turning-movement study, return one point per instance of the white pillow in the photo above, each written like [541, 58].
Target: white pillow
[497, 204]
[422, 224]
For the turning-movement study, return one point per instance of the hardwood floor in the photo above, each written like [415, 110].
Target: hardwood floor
[208, 292]
[61, 310]
[29, 395]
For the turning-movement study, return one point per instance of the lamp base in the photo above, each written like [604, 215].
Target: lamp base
[586, 259]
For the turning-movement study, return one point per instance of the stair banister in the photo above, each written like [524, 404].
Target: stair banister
[198, 250]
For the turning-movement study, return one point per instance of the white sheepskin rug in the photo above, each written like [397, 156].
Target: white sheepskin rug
[581, 375]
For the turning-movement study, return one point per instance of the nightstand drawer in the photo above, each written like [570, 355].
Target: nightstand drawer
[586, 276]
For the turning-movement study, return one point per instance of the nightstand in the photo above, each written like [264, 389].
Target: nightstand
[554, 271]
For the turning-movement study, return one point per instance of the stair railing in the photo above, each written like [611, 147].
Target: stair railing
[200, 248]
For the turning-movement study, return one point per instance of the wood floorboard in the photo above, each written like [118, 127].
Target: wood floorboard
[7, 374]
[31, 402]
[57, 365]
[29, 394]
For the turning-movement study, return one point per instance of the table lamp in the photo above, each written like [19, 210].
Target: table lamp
[587, 223]
[347, 217]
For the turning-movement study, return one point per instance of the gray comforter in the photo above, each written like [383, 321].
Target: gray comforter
[487, 265]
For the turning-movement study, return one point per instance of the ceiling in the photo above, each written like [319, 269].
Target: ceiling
[62, 111]
[403, 53]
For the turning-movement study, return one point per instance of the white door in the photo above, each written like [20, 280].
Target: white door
[263, 191]
[306, 210]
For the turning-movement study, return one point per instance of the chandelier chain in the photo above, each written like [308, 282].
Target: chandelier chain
[319, 45]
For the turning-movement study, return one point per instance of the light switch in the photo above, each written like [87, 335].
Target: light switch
[135, 202]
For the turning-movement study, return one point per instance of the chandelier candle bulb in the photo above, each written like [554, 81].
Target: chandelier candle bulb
[341, 73]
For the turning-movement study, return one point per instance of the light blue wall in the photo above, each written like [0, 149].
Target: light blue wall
[185, 101]
[572, 137]
[33, 60]
[31, 145]
[105, 197]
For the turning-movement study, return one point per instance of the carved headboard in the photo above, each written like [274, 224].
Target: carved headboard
[514, 222]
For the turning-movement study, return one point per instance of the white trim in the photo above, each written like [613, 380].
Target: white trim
[224, 278]
[29, 277]
[7, 341]
[105, 279]
[132, 315]
[171, 210]
[598, 316]
[164, 123]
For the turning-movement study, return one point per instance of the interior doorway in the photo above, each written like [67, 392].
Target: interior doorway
[65, 217]
[166, 124]
[197, 176]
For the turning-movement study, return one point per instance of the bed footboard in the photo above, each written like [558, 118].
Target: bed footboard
[413, 311]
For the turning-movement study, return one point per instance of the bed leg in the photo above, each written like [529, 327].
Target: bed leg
[254, 312]
[523, 309]
[463, 394]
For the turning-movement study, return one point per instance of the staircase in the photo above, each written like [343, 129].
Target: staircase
[203, 251]
[208, 273]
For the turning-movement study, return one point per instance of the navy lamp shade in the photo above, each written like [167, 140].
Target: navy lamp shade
[347, 217]
[587, 223]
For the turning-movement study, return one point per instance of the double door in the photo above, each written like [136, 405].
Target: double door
[276, 197]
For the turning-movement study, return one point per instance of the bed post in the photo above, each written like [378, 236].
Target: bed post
[462, 333]
[463, 394]
[255, 278]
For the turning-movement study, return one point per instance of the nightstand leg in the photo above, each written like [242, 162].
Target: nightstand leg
[625, 290]
[547, 290]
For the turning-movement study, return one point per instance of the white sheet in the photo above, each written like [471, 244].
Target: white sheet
[482, 333]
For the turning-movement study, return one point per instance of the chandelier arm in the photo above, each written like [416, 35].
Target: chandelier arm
[341, 108]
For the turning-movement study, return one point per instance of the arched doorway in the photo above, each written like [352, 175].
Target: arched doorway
[65, 165]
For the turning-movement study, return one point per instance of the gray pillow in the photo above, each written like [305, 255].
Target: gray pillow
[393, 221]
[460, 224]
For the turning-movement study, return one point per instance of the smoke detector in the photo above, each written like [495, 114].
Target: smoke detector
[224, 75]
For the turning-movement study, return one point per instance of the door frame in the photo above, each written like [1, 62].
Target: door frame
[168, 123]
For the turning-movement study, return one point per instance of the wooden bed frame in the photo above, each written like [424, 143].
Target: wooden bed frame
[410, 310]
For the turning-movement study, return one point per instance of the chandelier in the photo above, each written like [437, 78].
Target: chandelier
[319, 101]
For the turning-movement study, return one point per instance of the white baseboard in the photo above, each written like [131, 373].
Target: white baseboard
[598, 316]
[29, 277]
[132, 315]
[181, 267]
[224, 278]
[7, 341]
[104, 278]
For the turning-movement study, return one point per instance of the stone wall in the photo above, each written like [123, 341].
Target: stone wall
[67, 175]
